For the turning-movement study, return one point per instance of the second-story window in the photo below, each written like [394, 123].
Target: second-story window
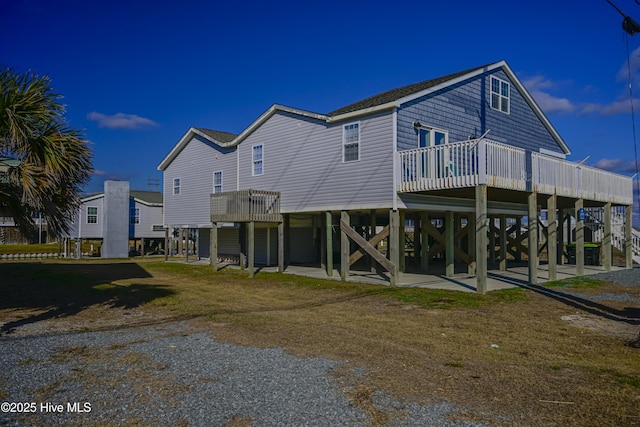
[92, 214]
[176, 186]
[217, 182]
[134, 216]
[351, 142]
[257, 160]
[500, 95]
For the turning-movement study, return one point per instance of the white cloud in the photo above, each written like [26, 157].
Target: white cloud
[121, 121]
[617, 165]
[538, 87]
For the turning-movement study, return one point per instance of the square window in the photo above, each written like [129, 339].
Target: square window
[92, 215]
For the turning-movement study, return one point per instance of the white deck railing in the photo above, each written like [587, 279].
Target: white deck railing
[574, 180]
[469, 163]
[462, 164]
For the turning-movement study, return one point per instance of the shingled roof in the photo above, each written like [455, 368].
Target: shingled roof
[218, 135]
[154, 197]
[398, 93]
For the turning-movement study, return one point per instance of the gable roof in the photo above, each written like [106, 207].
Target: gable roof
[399, 93]
[147, 197]
[390, 99]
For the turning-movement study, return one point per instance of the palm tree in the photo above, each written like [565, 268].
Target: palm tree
[43, 162]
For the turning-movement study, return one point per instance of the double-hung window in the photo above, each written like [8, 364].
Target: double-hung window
[92, 214]
[134, 216]
[351, 142]
[176, 186]
[500, 95]
[257, 160]
[217, 182]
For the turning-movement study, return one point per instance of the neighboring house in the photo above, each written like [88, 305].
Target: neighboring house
[445, 155]
[134, 215]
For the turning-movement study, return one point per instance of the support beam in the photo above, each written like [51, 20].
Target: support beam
[628, 236]
[503, 243]
[449, 244]
[372, 232]
[394, 253]
[560, 251]
[518, 254]
[213, 247]
[402, 242]
[532, 237]
[424, 242]
[492, 240]
[281, 247]
[606, 239]
[166, 243]
[286, 218]
[481, 230]
[471, 244]
[579, 206]
[344, 246]
[329, 245]
[552, 237]
[187, 233]
[251, 251]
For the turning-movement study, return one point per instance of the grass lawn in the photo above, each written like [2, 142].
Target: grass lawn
[505, 354]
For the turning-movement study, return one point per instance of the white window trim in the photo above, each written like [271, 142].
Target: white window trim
[96, 215]
[179, 186]
[214, 181]
[491, 92]
[432, 136]
[253, 162]
[344, 142]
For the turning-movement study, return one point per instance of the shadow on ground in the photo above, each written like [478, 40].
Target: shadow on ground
[59, 289]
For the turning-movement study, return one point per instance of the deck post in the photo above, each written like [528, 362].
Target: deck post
[187, 233]
[560, 250]
[180, 242]
[328, 217]
[532, 237]
[628, 236]
[471, 245]
[373, 266]
[492, 240]
[606, 239]
[579, 205]
[402, 241]
[251, 234]
[286, 219]
[424, 242]
[281, 247]
[243, 245]
[503, 243]
[518, 233]
[213, 246]
[481, 226]
[344, 247]
[552, 237]
[417, 244]
[449, 244]
[394, 245]
[166, 243]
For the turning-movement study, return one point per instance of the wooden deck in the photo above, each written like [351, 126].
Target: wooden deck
[475, 162]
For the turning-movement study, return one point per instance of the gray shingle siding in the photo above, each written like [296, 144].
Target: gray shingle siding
[195, 166]
[464, 110]
[303, 160]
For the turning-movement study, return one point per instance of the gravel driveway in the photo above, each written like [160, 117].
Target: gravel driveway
[174, 374]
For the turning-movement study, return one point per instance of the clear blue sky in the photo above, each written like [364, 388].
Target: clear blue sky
[136, 75]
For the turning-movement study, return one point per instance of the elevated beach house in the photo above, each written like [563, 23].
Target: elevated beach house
[443, 174]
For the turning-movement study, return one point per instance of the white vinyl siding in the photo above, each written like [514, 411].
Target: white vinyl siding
[217, 182]
[92, 214]
[351, 142]
[257, 159]
[500, 95]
